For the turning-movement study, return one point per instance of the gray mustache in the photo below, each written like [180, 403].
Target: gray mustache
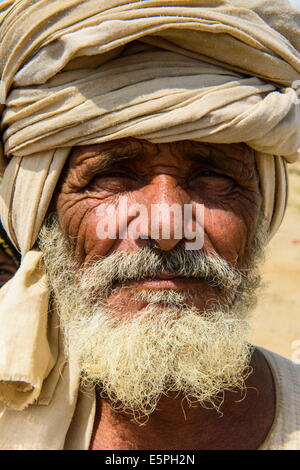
[151, 262]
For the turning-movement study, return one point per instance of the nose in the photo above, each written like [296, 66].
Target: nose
[165, 200]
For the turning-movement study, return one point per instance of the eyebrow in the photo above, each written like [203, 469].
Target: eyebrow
[220, 160]
[106, 159]
[122, 157]
[214, 156]
[215, 159]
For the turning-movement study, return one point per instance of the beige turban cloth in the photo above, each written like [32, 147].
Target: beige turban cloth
[83, 72]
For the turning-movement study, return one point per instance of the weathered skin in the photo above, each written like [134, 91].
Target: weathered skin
[224, 179]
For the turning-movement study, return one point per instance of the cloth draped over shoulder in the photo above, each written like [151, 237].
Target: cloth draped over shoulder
[84, 72]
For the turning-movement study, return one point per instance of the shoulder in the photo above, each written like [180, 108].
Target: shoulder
[281, 366]
[285, 432]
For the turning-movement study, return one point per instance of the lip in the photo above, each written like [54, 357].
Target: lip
[166, 281]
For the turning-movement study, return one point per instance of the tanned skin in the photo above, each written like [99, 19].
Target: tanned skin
[223, 178]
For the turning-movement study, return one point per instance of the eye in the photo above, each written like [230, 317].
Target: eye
[112, 177]
[114, 180]
[209, 174]
[211, 182]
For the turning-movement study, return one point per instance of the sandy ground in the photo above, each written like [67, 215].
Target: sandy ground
[276, 320]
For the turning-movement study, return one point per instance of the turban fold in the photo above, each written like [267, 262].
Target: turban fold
[80, 73]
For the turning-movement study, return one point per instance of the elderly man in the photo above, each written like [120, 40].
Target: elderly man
[115, 335]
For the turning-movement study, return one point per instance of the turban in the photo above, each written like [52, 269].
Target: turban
[85, 72]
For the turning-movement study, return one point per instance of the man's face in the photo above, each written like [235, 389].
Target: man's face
[221, 177]
[146, 316]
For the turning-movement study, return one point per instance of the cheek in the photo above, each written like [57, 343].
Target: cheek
[94, 232]
[99, 234]
[77, 218]
[225, 232]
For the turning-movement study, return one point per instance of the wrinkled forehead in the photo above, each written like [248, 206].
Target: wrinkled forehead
[140, 151]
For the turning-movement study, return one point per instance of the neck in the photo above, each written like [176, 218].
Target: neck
[243, 421]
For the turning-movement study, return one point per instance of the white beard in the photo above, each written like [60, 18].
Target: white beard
[170, 347]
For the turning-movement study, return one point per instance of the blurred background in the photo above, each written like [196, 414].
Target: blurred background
[295, 3]
[276, 320]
